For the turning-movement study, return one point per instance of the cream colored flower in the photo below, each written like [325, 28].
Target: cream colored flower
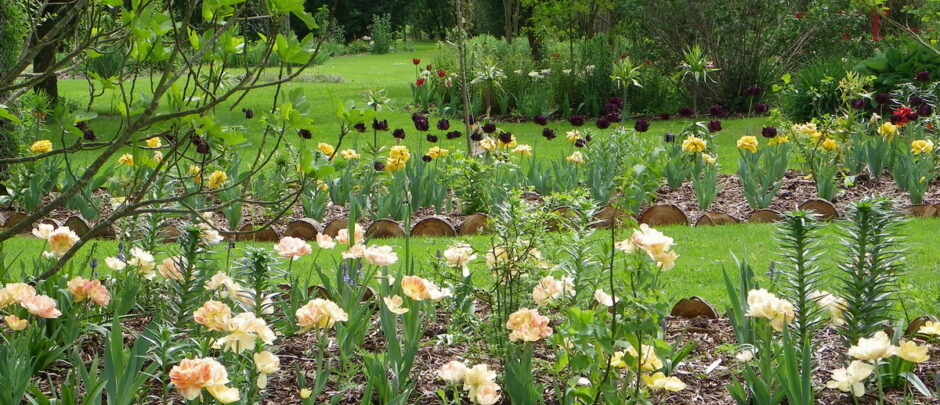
[380, 255]
[852, 378]
[603, 298]
[528, 326]
[478, 375]
[305, 393]
[394, 304]
[577, 157]
[41, 306]
[659, 381]
[292, 248]
[325, 241]
[459, 255]
[320, 314]
[144, 262]
[744, 356]
[355, 251]
[524, 150]
[649, 361]
[17, 292]
[114, 263]
[243, 330]
[343, 235]
[42, 231]
[709, 159]
[573, 135]
[549, 289]
[157, 156]
[930, 328]
[453, 371]
[488, 144]
[171, 268]
[15, 323]
[485, 394]
[214, 315]
[912, 352]
[874, 348]
[835, 305]
[61, 240]
[265, 363]
[763, 304]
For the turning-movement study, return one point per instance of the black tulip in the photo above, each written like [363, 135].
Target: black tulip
[716, 111]
[857, 103]
[614, 117]
[641, 126]
[378, 166]
[768, 132]
[548, 133]
[922, 76]
[453, 134]
[753, 90]
[714, 126]
[360, 127]
[489, 127]
[505, 137]
[81, 125]
[379, 125]
[615, 101]
[249, 114]
[915, 101]
[476, 136]
[202, 148]
[443, 124]
[587, 138]
[422, 124]
[669, 137]
[305, 133]
[431, 138]
[761, 108]
[576, 120]
[686, 112]
[89, 135]
[416, 116]
[398, 133]
[580, 143]
[665, 116]
[426, 158]
[924, 110]
[469, 120]
[540, 119]
[883, 98]
[603, 123]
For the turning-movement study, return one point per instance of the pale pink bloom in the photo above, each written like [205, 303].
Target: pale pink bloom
[291, 247]
[528, 326]
[343, 235]
[20, 291]
[82, 290]
[61, 240]
[42, 231]
[380, 255]
[170, 268]
[214, 315]
[355, 251]
[41, 306]
[192, 375]
[325, 241]
[320, 314]
[453, 371]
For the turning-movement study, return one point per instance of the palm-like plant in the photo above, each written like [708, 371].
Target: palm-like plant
[626, 74]
[491, 80]
[696, 65]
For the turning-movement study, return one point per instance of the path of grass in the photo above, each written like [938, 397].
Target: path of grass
[393, 72]
[704, 252]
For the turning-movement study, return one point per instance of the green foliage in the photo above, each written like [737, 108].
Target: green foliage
[382, 34]
[895, 66]
[798, 236]
[760, 173]
[870, 263]
[13, 27]
[814, 90]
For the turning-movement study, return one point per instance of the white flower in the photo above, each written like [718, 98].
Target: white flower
[114, 263]
[380, 255]
[603, 298]
[852, 378]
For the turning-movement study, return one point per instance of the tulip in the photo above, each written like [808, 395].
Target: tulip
[422, 124]
[858, 104]
[925, 110]
[419, 82]
[576, 120]
[540, 120]
[398, 133]
[360, 127]
[378, 166]
[665, 116]
[915, 101]
[922, 76]
[249, 114]
[714, 126]
[753, 90]
[89, 135]
[614, 117]
[453, 134]
[641, 125]
[416, 61]
[883, 98]
[443, 124]
[669, 137]
[379, 125]
[603, 123]
[489, 127]
[716, 111]
[305, 133]
[505, 137]
[761, 108]
[768, 132]
[686, 112]
[431, 138]
[548, 133]
[476, 136]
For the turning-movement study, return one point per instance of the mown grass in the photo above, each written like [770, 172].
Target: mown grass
[351, 76]
[704, 253]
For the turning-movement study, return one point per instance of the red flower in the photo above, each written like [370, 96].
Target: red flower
[416, 61]
[800, 14]
[902, 115]
[419, 82]
[441, 73]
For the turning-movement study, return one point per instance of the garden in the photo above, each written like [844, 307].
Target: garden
[469, 202]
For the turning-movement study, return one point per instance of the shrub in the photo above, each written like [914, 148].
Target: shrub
[814, 90]
[382, 35]
[13, 25]
[898, 65]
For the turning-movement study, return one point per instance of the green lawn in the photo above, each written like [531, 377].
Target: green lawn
[704, 252]
[351, 76]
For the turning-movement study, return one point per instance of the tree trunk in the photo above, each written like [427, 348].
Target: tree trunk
[45, 59]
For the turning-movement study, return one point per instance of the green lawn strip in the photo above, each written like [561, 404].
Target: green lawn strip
[703, 253]
[393, 72]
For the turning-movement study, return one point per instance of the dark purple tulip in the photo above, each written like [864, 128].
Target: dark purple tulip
[81, 125]
[89, 135]
[665, 116]
[489, 127]
[453, 134]
[768, 132]
[443, 124]
[614, 117]
[753, 90]
[422, 124]
[505, 137]
[857, 103]
[476, 136]
[883, 98]
[669, 137]
[416, 116]
[431, 138]
[603, 123]
[378, 166]
[610, 107]
[249, 114]
[615, 101]
[922, 76]
[576, 120]
[587, 138]
[714, 126]
[716, 111]
[360, 127]
[540, 119]
[924, 110]
[202, 148]
[579, 143]
[687, 112]
[548, 133]
[761, 108]
[426, 158]
[398, 133]
[915, 101]
[379, 125]
[305, 133]
[641, 126]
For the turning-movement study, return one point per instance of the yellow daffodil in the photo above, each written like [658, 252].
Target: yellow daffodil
[912, 352]
[930, 328]
[659, 381]
[888, 130]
